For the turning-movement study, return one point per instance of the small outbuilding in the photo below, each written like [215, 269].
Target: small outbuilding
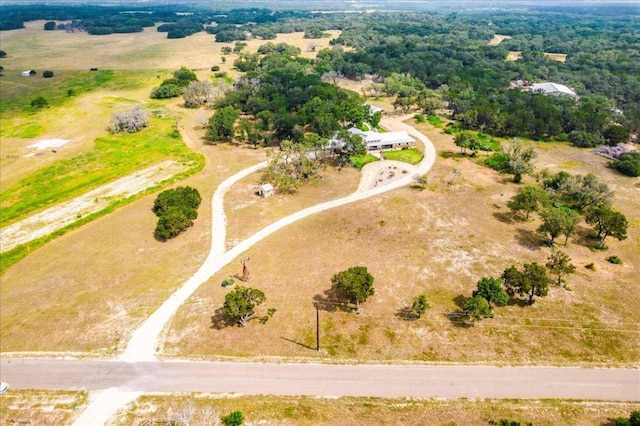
[266, 190]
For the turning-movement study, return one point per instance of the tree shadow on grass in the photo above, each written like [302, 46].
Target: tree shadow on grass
[220, 320]
[504, 217]
[529, 239]
[451, 154]
[332, 301]
[406, 314]
[458, 318]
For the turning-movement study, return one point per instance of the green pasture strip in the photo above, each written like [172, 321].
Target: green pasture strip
[411, 155]
[114, 156]
[360, 161]
[13, 256]
[18, 92]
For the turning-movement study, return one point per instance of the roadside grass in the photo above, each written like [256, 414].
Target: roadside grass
[360, 161]
[307, 410]
[440, 241]
[114, 155]
[40, 407]
[410, 155]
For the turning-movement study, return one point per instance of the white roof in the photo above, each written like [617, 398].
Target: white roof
[374, 138]
[266, 187]
[552, 89]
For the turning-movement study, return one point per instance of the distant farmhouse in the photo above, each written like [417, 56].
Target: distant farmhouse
[548, 88]
[553, 89]
[384, 141]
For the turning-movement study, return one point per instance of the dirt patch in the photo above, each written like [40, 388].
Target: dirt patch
[61, 215]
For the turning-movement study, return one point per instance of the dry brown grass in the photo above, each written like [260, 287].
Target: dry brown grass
[378, 411]
[439, 241]
[40, 407]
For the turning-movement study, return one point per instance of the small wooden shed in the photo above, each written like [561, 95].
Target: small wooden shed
[266, 190]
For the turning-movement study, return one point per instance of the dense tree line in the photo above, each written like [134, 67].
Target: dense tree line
[451, 53]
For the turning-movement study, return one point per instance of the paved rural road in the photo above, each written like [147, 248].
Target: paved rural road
[426, 381]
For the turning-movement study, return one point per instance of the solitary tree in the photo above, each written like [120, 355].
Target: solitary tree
[519, 159]
[531, 281]
[420, 305]
[492, 290]
[608, 222]
[131, 121]
[559, 264]
[47, 74]
[176, 210]
[356, 283]
[240, 304]
[477, 308]
[198, 93]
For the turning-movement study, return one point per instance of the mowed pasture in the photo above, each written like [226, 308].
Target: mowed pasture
[440, 241]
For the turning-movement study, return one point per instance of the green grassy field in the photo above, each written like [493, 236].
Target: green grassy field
[411, 156]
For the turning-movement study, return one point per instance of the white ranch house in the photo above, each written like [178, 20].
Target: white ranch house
[384, 141]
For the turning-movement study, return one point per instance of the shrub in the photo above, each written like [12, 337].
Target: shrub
[215, 68]
[420, 118]
[47, 74]
[615, 260]
[628, 164]
[228, 282]
[39, 102]
[498, 161]
[235, 418]
[591, 266]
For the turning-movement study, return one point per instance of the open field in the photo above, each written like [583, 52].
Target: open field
[148, 50]
[515, 55]
[497, 39]
[439, 241]
[378, 411]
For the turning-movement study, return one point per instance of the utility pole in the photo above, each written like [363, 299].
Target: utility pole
[317, 325]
